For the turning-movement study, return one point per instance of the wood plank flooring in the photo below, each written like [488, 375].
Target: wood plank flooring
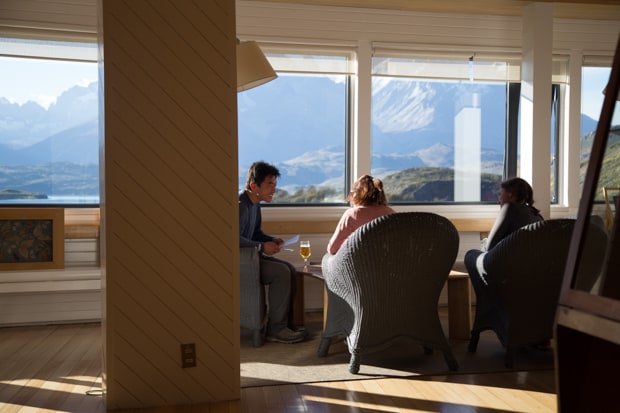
[58, 369]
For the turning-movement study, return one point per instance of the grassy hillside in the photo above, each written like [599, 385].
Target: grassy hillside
[423, 184]
[432, 184]
[610, 170]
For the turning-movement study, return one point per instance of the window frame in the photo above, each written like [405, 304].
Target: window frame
[512, 77]
[275, 53]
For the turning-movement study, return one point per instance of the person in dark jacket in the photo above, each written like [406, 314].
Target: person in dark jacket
[278, 274]
[516, 200]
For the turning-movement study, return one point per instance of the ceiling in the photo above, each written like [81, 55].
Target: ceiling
[575, 9]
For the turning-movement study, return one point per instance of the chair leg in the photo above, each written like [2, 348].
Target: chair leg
[324, 346]
[473, 341]
[453, 365]
[354, 364]
[510, 357]
[257, 338]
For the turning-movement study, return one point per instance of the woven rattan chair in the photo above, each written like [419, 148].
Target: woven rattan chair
[252, 295]
[384, 283]
[524, 273]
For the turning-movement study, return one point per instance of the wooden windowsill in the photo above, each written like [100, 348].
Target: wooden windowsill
[324, 226]
[82, 223]
[85, 223]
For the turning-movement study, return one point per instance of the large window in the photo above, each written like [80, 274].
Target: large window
[299, 122]
[49, 150]
[445, 127]
[594, 79]
[439, 126]
[442, 127]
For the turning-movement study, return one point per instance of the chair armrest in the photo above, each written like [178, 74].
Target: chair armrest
[249, 268]
[252, 292]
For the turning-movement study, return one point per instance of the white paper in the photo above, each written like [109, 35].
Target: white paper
[291, 241]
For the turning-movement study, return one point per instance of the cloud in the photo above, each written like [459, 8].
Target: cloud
[400, 106]
[324, 159]
[437, 155]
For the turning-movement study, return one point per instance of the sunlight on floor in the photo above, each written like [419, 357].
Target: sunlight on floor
[429, 396]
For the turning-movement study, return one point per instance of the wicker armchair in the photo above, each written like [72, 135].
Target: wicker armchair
[524, 273]
[384, 284]
[252, 295]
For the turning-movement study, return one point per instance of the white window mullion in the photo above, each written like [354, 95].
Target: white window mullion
[363, 119]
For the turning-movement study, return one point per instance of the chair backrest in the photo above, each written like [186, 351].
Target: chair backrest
[524, 274]
[392, 271]
[592, 256]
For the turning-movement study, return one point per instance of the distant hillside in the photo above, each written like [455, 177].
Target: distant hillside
[610, 170]
[423, 184]
[25, 125]
[48, 152]
[60, 178]
[12, 194]
[432, 184]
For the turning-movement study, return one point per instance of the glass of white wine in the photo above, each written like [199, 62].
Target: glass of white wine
[305, 251]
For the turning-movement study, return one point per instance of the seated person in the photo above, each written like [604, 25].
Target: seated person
[516, 200]
[279, 275]
[368, 202]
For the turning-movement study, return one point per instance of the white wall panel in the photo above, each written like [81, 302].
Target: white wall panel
[282, 22]
[50, 307]
[49, 19]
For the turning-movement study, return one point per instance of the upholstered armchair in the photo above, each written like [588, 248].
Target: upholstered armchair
[384, 283]
[252, 295]
[524, 275]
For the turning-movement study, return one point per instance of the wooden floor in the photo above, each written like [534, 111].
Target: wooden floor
[58, 369]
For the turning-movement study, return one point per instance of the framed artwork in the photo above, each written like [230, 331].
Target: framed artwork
[32, 238]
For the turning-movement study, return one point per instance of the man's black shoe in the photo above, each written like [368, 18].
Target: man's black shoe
[286, 335]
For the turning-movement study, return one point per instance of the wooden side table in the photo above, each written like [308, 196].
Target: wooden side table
[459, 305]
[299, 309]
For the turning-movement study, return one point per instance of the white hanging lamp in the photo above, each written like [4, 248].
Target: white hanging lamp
[253, 68]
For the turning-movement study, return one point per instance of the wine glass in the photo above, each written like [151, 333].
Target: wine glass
[304, 251]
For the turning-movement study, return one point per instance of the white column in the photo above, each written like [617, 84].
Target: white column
[570, 192]
[535, 107]
[362, 112]
[467, 150]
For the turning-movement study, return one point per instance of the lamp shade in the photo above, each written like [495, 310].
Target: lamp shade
[253, 68]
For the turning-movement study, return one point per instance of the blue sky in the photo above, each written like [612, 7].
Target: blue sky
[592, 97]
[43, 81]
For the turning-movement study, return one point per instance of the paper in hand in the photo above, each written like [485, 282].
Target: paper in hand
[291, 241]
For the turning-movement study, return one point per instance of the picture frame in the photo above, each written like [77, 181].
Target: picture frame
[612, 197]
[32, 238]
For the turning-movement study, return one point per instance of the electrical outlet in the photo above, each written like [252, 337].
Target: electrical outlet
[188, 355]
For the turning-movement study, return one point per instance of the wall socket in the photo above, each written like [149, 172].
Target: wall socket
[188, 355]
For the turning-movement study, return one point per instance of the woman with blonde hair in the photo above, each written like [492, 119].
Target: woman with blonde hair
[368, 201]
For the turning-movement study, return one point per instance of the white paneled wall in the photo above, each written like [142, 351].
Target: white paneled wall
[69, 295]
[74, 293]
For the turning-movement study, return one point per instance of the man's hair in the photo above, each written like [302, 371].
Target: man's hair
[259, 171]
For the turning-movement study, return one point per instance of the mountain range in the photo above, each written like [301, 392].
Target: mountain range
[67, 132]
